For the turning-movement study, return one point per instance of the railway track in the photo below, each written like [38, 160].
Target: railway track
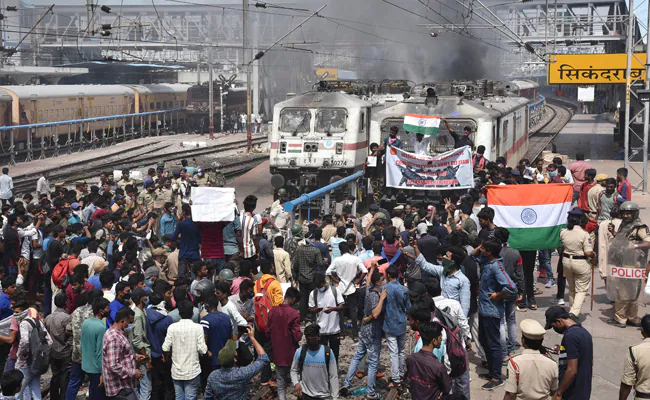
[539, 140]
[141, 157]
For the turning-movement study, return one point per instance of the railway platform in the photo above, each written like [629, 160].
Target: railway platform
[593, 135]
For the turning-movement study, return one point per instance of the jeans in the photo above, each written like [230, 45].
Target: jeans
[545, 263]
[491, 341]
[183, 267]
[145, 384]
[266, 344]
[460, 384]
[351, 308]
[509, 326]
[305, 291]
[10, 365]
[60, 378]
[77, 376]
[187, 390]
[334, 342]
[31, 386]
[372, 350]
[161, 380]
[396, 352]
[473, 326]
[283, 375]
[96, 392]
[528, 259]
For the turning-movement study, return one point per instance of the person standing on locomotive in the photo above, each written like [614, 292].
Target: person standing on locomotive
[391, 140]
[460, 141]
[420, 143]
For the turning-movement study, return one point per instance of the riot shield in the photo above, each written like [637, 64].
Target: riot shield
[625, 270]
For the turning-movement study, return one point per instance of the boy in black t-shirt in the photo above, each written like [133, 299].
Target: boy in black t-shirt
[576, 355]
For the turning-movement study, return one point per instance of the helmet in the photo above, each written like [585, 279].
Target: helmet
[226, 275]
[629, 206]
[296, 229]
[216, 165]
[282, 192]
[204, 288]
[160, 164]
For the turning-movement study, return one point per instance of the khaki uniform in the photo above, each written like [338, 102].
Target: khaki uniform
[637, 373]
[577, 270]
[624, 311]
[163, 195]
[398, 223]
[532, 376]
[146, 199]
[80, 194]
[203, 181]
[122, 183]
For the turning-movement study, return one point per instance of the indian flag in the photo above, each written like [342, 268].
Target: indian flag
[534, 214]
[424, 124]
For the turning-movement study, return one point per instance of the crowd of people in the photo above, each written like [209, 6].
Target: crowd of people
[116, 289]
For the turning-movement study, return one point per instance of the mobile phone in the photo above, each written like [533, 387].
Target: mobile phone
[382, 261]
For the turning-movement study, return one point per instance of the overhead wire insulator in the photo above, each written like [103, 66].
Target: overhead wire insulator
[105, 33]
[529, 48]
[260, 4]
[105, 9]
[106, 27]
[12, 8]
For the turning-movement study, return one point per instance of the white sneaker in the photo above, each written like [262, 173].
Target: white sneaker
[559, 302]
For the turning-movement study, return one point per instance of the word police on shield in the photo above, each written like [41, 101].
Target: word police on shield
[626, 273]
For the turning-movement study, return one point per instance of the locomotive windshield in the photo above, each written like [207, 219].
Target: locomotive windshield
[295, 120]
[331, 120]
[443, 142]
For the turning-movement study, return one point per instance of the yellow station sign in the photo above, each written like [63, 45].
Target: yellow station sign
[327, 74]
[589, 69]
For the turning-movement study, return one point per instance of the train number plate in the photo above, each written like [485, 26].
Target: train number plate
[339, 163]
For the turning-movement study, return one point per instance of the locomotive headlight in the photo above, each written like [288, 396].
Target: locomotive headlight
[339, 148]
[292, 163]
[326, 163]
[283, 147]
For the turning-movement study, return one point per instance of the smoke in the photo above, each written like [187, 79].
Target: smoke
[392, 45]
[376, 40]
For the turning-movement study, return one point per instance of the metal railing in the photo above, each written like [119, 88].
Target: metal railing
[307, 198]
[113, 129]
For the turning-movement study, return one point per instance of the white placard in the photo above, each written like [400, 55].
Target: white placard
[372, 161]
[212, 204]
[586, 93]
[136, 175]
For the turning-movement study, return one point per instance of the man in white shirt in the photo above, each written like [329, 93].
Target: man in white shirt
[349, 271]
[327, 302]
[6, 188]
[186, 342]
[420, 144]
[43, 184]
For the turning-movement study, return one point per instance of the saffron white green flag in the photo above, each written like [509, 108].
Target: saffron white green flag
[534, 214]
[424, 124]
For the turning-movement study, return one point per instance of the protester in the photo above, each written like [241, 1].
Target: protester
[314, 371]
[119, 371]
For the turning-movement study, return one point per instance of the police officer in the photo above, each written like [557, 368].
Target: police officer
[578, 250]
[81, 187]
[531, 375]
[636, 370]
[201, 178]
[148, 195]
[632, 235]
[126, 180]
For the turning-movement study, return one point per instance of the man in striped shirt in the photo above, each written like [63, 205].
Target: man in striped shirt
[251, 228]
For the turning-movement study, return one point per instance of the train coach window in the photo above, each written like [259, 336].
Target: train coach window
[295, 120]
[331, 120]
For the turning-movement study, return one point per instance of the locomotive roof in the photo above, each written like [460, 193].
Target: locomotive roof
[525, 84]
[50, 91]
[161, 88]
[324, 99]
[448, 107]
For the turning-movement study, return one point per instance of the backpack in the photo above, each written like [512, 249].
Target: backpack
[456, 353]
[60, 274]
[262, 305]
[39, 349]
[314, 294]
[392, 260]
[301, 361]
